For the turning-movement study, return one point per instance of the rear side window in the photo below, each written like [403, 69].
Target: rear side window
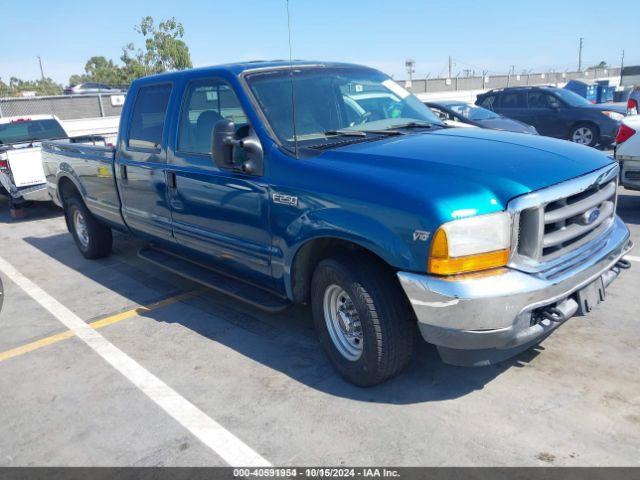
[488, 102]
[205, 104]
[514, 100]
[147, 119]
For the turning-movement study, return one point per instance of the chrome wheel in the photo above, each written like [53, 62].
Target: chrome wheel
[582, 135]
[343, 322]
[80, 226]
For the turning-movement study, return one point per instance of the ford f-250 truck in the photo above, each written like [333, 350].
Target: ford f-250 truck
[263, 181]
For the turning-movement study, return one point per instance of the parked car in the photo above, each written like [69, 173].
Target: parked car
[379, 225]
[627, 152]
[464, 112]
[556, 112]
[91, 88]
[633, 102]
[21, 174]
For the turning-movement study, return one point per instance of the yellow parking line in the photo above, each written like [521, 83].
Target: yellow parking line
[110, 320]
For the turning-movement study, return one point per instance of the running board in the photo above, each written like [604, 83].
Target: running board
[238, 289]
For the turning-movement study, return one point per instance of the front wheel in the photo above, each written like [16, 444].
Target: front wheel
[93, 239]
[362, 317]
[584, 134]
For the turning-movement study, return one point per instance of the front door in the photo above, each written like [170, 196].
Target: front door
[141, 164]
[549, 114]
[218, 213]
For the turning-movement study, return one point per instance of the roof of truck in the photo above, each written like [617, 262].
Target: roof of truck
[239, 68]
[26, 118]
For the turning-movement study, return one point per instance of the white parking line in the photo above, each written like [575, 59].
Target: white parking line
[632, 258]
[229, 447]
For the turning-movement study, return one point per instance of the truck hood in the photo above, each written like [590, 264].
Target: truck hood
[469, 161]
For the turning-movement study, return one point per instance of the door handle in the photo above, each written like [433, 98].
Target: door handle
[123, 172]
[172, 180]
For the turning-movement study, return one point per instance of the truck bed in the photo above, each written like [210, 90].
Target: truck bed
[91, 169]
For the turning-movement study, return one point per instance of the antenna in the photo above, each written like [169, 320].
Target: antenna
[293, 98]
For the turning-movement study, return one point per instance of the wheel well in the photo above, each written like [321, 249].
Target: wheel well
[67, 189]
[312, 253]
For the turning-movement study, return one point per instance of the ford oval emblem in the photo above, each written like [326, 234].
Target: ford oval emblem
[590, 216]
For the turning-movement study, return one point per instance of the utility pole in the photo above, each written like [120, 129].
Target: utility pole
[450, 64]
[580, 55]
[41, 70]
[622, 62]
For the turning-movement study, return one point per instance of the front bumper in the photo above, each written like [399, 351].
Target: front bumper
[630, 172]
[491, 313]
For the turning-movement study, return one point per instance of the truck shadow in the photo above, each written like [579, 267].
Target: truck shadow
[285, 342]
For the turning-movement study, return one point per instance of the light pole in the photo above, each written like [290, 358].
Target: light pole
[410, 65]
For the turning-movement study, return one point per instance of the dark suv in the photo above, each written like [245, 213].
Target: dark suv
[557, 112]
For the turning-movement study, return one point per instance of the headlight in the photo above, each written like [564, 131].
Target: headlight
[471, 244]
[614, 115]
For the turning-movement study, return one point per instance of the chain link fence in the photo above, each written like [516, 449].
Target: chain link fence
[65, 107]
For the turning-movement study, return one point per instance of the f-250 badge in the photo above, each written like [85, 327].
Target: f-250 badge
[285, 199]
[420, 236]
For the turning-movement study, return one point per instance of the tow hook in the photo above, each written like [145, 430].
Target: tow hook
[554, 314]
[623, 264]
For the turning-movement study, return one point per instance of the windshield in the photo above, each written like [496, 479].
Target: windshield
[334, 100]
[27, 131]
[472, 112]
[571, 98]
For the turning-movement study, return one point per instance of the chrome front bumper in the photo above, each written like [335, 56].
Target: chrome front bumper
[493, 311]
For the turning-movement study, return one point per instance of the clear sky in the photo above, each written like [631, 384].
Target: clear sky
[492, 34]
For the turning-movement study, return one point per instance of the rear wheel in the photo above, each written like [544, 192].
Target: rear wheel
[584, 134]
[362, 317]
[93, 239]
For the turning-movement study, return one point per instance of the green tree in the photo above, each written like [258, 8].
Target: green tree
[17, 87]
[599, 66]
[164, 48]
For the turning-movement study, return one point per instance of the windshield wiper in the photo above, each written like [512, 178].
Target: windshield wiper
[412, 125]
[345, 133]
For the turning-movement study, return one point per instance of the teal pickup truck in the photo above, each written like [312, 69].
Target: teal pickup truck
[330, 185]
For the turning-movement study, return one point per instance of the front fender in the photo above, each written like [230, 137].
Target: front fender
[336, 223]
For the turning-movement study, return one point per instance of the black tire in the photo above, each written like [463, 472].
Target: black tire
[384, 313]
[580, 130]
[99, 239]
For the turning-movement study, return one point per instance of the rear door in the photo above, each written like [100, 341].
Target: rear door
[513, 104]
[219, 213]
[141, 164]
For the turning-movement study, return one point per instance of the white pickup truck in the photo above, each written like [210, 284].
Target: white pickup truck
[21, 173]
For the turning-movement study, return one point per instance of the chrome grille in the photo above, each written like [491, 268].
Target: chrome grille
[551, 224]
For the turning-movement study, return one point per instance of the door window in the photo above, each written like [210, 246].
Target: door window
[147, 119]
[514, 100]
[488, 102]
[542, 100]
[205, 104]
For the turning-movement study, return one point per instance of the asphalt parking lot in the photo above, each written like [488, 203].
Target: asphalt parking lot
[573, 400]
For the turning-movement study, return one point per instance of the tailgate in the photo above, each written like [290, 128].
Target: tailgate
[26, 166]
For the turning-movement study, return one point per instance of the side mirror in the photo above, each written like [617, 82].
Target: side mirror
[222, 140]
[245, 154]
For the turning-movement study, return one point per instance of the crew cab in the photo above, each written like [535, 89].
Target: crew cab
[21, 174]
[257, 179]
